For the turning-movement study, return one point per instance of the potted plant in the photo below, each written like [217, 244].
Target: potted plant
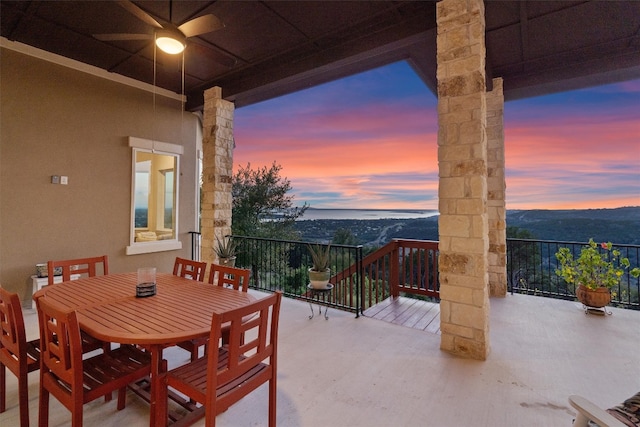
[595, 272]
[226, 250]
[319, 272]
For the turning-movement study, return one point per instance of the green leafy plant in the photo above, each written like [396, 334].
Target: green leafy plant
[226, 248]
[595, 267]
[320, 256]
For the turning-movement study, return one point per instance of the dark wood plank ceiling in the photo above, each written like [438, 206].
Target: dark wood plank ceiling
[271, 48]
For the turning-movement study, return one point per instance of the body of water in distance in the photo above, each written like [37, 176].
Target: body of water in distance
[366, 214]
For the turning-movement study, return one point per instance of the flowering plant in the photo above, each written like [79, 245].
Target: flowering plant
[594, 267]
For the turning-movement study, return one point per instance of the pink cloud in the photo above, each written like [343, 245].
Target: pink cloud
[569, 150]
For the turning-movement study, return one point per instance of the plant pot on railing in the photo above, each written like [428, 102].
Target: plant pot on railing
[319, 279]
[320, 272]
[597, 269]
[226, 251]
[597, 298]
[227, 261]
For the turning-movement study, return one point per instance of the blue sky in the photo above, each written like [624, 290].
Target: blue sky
[370, 141]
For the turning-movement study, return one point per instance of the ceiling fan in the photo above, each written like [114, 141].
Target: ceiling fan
[169, 38]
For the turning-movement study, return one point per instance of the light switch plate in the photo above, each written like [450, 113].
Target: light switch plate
[64, 180]
[55, 179]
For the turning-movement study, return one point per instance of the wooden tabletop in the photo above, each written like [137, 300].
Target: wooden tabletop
[108, 308]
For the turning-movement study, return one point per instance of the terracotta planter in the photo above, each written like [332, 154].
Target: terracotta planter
[593, 298]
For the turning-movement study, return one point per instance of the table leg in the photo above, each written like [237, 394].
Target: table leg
[311, 307]
[158, 408]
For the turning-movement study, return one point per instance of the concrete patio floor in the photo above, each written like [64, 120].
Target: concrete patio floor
[365, 372]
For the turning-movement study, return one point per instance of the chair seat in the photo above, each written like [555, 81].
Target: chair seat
[126, 364]
[195, 375]
[33, 355]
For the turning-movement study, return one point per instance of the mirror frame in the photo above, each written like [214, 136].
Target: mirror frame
[154, 147]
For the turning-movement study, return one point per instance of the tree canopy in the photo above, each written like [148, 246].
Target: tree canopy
[262, 206]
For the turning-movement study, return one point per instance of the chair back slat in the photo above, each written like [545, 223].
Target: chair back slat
[61, 344]
[253, 335]
[189, 269]
[13, 341]
[87, 267]
[229, 277]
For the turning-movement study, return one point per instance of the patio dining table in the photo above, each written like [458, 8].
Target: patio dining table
[109, 310]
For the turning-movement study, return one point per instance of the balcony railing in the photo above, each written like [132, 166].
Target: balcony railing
[411, 267]
[408, 266]
[531, 266]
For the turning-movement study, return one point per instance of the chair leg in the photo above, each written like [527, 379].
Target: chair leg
[3, 388]
[76, 414]
[23, 400]
[122, 396]
[273, 390]
[43, 411]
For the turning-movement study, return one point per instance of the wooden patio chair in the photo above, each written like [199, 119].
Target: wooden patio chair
[229, 277]
[224, 276]
[221, 378]
[189, 269]
[88, 267]
[627, 414]
[73, 380]
[16, 353]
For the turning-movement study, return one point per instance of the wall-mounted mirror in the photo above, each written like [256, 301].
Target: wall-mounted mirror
[154, 196]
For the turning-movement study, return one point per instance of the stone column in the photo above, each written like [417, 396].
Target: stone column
[496, 191]
[217, 171]
[462, 159]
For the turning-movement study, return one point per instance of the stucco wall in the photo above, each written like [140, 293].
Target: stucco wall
[58, 121]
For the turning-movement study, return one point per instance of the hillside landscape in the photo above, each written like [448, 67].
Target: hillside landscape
[620, 225]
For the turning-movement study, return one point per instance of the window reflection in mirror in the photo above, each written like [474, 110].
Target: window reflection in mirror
[154, 196]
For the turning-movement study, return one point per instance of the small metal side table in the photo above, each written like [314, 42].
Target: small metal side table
[317, 294]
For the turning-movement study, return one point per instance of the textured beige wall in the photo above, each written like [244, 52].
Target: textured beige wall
[58, 121]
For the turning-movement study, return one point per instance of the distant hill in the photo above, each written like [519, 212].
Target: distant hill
[620, 225]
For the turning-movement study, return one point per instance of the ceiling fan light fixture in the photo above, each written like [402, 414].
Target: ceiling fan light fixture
[170, 44]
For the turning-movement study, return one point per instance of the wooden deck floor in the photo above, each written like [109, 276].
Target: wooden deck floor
[410, 312]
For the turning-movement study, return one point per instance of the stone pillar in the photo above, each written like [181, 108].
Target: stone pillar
[496, 191]
[462, 192]
[217, 171]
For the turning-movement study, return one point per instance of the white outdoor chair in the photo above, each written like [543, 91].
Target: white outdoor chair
[589, 414]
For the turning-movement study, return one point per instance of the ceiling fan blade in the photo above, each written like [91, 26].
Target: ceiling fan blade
[200, 25]
[122, 36]
[138, 13]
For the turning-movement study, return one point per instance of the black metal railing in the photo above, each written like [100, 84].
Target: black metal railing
[195, 245]
[283, 265]
[531, 266]
[411, 267]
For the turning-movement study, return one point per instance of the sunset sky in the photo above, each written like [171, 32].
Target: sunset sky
[370, 142]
